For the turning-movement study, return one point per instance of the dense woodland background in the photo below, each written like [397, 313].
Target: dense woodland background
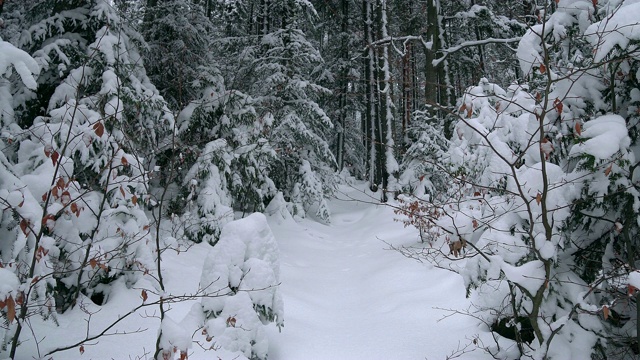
[506, 131]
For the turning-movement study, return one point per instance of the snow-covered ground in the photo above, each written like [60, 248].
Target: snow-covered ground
[345, 295]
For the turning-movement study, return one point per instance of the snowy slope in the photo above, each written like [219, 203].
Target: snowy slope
[345, 295]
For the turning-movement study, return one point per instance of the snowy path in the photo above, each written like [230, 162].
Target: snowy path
[346, 297]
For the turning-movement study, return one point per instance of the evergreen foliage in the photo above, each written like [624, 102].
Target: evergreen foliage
[122, 119]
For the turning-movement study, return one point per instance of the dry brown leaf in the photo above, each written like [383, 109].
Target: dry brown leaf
[24, 226]
[98, 128]
[558, 105]
[60, 183]
[231, 322]
[543, 69]
[54, 158]
[11, 309]
[607, 171]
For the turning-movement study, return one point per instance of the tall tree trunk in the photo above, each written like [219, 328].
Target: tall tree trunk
[344, 84]
[387, 162]
[430, 71]
[371, 113]
[262, 23]
[407, 88]
[438, 91]
[382, 87]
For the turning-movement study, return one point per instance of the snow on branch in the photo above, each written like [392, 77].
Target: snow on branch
[620, 29]
[467, 44]
[405, 39]
[429, 44]
[21, 61]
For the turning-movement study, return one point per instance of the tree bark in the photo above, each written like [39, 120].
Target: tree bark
[430, 71]
[371, 112]
[344, 84]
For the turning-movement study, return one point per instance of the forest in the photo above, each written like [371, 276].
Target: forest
[503, 134]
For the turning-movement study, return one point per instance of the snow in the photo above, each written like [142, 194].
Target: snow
[242, 274]
[23, 63]
[634, 279]
[238, 328]
[174, 336]
[346, 297]
[277, 209]
[570, 12]
[606, 136]
[9, 283]
[617, 30]
[530, 275]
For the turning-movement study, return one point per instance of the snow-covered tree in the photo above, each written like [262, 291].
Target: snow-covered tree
[230, 159]
[93, 111]
[510, 205]
[19, 207]
[178, 57]
[284, 63]
[243, 271]
[421, 172]
[540, 173]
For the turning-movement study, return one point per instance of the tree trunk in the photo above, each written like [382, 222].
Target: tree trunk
[407, 88]
[386, 158]
[372, 113]
[430, 71]
[344, 85]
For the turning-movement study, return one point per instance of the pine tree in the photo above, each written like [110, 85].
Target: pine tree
[286, 98]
